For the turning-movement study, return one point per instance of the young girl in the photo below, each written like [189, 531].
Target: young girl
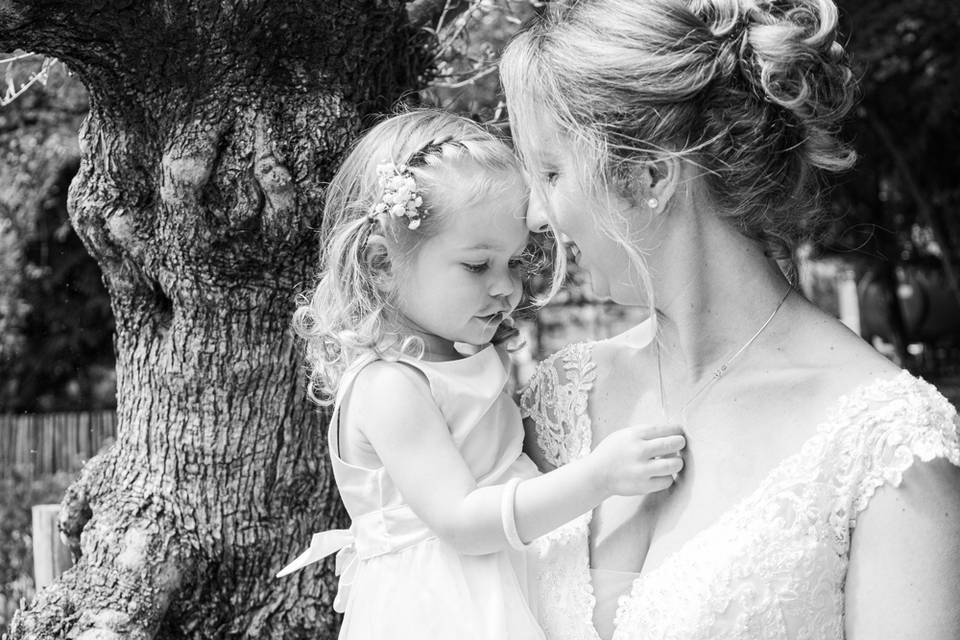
[424, 238]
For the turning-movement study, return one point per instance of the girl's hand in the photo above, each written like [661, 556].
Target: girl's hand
[508, 335]
[638, 460]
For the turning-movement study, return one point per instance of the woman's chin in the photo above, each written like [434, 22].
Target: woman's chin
[599, 286]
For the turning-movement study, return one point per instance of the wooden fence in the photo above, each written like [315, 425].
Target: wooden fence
[45, 443]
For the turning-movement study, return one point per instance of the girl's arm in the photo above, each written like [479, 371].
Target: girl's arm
[410, 436]
[904, 573]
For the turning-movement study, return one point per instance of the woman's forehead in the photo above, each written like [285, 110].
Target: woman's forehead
[543, 141]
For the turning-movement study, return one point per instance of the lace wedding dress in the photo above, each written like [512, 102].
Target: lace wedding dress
[773, 566]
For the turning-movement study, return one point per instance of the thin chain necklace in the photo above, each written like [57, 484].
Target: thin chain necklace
[722, 369]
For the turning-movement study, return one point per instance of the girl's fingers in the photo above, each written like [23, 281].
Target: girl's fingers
[654, 431]
[660, 483]
[666, 445]
[666, 466]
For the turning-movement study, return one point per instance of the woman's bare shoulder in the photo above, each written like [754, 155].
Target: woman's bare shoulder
[816, 341]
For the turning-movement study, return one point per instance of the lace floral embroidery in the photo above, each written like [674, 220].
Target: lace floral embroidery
[891, 425]
[773, 566]
[556, 401]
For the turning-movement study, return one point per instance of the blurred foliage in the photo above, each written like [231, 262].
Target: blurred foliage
[13, 308]
[900, 204]
[906, 129]
[56, 350]
[468, 49]
[17, 495]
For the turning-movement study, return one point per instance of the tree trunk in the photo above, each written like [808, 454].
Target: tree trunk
[214, 125]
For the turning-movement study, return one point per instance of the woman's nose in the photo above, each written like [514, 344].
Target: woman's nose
[537, 221]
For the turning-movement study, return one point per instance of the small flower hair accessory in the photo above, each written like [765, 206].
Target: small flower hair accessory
[401, 198]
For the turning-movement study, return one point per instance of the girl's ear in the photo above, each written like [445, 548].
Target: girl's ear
[376, 259]
[658, 182]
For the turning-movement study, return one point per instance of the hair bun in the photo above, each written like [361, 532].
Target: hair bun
[791, 56]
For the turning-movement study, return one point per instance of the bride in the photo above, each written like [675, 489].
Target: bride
[677, 145]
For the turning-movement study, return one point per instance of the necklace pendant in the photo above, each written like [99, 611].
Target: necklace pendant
[718, 372]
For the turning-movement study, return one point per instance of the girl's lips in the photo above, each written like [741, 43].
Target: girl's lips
[494, 318]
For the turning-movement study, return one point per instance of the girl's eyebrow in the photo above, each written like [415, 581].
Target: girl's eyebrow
[486, 246]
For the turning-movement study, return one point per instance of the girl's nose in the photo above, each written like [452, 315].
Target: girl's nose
[503, 286]
[537, 213]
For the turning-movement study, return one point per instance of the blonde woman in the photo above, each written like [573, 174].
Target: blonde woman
[678, 145]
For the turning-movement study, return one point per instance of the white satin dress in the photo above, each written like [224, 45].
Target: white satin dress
[398, 580]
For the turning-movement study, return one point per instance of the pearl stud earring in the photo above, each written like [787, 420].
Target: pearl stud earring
[653, 203]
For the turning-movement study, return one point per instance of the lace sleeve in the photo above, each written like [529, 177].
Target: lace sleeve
[903, 420]
[555, 400]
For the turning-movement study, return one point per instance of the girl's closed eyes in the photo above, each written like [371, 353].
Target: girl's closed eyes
[480, 267]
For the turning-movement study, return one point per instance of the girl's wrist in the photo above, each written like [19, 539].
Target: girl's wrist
[596, 476]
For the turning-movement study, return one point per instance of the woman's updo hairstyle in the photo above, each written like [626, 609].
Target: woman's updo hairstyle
[752, 91]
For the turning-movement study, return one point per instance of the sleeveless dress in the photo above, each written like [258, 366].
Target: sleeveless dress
[773, 566]
[397, 578]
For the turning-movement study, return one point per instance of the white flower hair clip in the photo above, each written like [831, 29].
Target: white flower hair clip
[401, 198]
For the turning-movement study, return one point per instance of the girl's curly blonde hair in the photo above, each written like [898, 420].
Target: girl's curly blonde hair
[349, 311]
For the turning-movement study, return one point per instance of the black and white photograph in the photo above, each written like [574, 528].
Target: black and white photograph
[480, 320]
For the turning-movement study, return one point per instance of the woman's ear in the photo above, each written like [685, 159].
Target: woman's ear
[658, 180]
[376, 259]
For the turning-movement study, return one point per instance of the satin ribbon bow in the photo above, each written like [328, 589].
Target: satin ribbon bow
[339, 541]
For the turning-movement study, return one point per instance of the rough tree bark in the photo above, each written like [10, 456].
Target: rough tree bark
[213, 127]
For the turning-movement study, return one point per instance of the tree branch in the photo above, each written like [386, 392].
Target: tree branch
[422, 13]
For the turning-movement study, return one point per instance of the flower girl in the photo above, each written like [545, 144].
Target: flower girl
[425, 241]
